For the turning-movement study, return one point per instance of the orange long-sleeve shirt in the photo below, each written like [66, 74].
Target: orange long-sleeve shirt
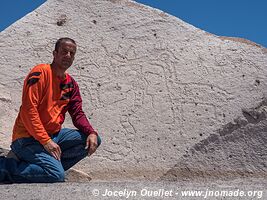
[45, 100]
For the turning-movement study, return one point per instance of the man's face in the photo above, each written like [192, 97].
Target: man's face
[65, 54]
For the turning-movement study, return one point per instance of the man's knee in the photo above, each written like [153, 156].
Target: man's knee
[57, 176]
[54, 170]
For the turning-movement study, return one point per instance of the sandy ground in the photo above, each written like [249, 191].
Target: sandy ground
[236, 189]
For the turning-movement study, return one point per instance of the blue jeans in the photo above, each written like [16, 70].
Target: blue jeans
[36, 165]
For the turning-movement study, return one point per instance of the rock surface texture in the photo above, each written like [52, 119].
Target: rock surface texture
[170, 101]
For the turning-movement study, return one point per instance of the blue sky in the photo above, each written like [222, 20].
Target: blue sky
[235, 18]
[13, 10]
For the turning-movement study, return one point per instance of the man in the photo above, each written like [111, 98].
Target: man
[43, 149]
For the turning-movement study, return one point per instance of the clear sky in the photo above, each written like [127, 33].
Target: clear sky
[236, 18]
[13, 10]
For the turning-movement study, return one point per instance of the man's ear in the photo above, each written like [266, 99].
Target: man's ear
[54, 53]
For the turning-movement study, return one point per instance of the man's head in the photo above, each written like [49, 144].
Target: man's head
[64, 53]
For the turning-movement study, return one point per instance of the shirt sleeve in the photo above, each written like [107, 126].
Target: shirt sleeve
[32, 91]
[79, 118]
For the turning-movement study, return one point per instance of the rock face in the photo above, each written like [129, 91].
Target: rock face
[160, 92]
[238, 150]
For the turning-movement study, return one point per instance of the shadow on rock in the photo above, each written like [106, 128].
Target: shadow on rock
[238, 150]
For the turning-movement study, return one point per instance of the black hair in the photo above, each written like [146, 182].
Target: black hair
[61, 40]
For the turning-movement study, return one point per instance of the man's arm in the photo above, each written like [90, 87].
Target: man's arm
[80, 120]
[32, 93]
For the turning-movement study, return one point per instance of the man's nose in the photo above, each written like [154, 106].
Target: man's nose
[68, 54]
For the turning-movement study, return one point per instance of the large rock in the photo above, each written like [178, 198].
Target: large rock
[153, 86]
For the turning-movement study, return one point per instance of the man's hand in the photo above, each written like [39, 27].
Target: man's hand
[53, 149]
[91, 143]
